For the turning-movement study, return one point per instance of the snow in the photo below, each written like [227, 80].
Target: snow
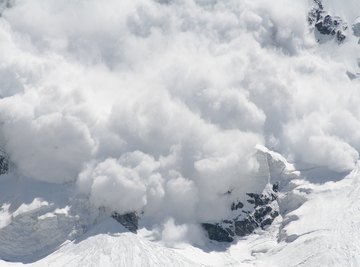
[319, 224]
[326, 229]
[108, 244]
[323, 231]
[161, 107]
[349, 9]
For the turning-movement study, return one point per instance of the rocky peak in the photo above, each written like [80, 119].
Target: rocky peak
[264, 211]
[326, 24]
[129, 220]
[4, 162]
[257, 210]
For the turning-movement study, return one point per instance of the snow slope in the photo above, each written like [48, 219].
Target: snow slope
[108, 244]
[318, 225]
[349, 9]
[324, 231]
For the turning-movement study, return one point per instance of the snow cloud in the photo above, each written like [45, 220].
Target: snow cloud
[157, 106]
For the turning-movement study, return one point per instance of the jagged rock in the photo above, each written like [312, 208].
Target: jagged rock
[258, 199]
[340, 36]
[258, 210]
[266, 222]
[326, 24]
[245, 227]
[218, 233]
[4, 163]
[260, 213]
[236, 206]
[263, 214]
[129, 220]
[275, 187]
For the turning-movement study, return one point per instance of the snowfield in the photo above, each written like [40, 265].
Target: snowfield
[322, 232]
[317, 222]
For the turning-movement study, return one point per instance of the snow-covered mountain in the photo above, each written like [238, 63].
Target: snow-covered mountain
[179, 133]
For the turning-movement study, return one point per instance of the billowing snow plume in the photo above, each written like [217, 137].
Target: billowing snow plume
[157, 106]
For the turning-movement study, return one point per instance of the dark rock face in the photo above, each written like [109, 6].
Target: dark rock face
[326, 24]
[263, 214]
[246, 226]
[260, 199]
[4, 163]
[218, 233]
[236, 206]
[129, 220]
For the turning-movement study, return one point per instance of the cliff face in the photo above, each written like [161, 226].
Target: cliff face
[260, 209]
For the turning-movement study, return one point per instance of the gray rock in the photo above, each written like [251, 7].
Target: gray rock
[325, 23]
[4, 163]
[263, 214]
[218, 233]
[236, 206]
[246, 226]
[129, 220]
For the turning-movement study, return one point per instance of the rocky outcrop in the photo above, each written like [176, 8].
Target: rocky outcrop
[4, 162]
[326, 24]
[264, 211]
[218, 232]
[256, 210]
[129, 220]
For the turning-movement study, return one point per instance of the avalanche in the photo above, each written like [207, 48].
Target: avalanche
[179, 133]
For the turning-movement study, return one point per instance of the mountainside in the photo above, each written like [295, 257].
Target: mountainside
[179, 133]
[317, 232]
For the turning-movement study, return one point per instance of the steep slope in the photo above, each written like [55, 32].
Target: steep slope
[318, 224]
[324, 231]
[108, 244]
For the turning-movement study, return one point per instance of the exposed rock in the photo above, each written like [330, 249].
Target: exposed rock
[129, 220]
[236, 206]
[265, 210]
[218, 233]
[4, 163]
[246, 226]
[257, 210]
[325, 23]
[275, 187]
[352, 76]
[260, 199]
